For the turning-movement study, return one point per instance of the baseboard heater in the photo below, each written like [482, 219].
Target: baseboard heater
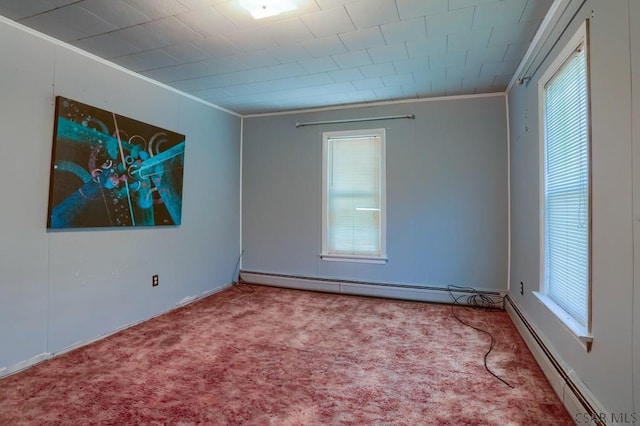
[365, 288]
[578, 404]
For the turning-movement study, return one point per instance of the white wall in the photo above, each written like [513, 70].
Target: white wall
[607, 371]
[446, 194]
[60, 288]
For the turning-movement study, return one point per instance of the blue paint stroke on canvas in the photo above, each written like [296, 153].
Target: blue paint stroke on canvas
[109, 170]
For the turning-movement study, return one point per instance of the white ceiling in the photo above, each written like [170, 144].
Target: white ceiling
[325, 53]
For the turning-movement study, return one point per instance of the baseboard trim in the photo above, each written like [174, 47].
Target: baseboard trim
[31, 362]
[577, 399]
[363, 288]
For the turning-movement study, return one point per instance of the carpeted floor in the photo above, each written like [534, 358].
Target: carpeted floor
[285, 357]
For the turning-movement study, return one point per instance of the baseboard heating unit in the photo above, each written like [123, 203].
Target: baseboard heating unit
[374, 289]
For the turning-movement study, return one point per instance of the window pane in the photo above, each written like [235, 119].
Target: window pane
[566, 187]
[354, 195]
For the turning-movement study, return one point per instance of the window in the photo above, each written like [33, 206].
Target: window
[566, 225]
[353, 203]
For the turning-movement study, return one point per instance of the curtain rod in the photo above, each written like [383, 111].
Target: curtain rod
[356, 120]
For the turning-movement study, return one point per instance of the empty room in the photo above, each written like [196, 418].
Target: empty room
[320, 212]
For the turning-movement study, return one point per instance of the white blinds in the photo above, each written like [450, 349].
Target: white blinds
[354, 188]
[566, 187]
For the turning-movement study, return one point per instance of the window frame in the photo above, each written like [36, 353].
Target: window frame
[581, 332]
[338, 257]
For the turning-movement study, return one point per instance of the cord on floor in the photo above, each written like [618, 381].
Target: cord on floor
[478, 301]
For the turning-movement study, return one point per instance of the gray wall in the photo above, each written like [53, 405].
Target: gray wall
[607, 371]
[634, 21]
[60, 288]
[446, 194]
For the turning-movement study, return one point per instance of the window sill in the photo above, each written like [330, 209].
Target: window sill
[353, 258]
[578, 331]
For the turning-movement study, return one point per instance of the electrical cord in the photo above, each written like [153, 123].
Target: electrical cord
[479, 301]
[244, 286]
[238, 282]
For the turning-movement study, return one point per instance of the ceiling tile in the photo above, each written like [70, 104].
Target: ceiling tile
[535, 10]
[328, 22]
[490, 54]
[319, 65]
[498, 13]
[363, 39]
[516, 51]
[422, 75]
[390, 93]
[460, 4]
[46, 24]
[398, 80]
[410, 65]
[501, 81]
[257, 59]
[106, 46]
[396, 52]
[468, 40]
[349, 74]
[421, 49]
[318, 47]
[158, 9]
[411, 30]
[377, 70]
[117, 12]
[203, 83]
[19, 9]
[147, 60]
[280, 71]
[318, 79]
[210, 94]
[197, 4]
[250, 40]
[212, 81]
[291, 31]
[412, 8]
[186, 52]
[140, 38]
[289, 53]
[171, 30]
[369, 83]
[366, 95]
[193, 70]
[516, 33]
[207, 21]
[339, 87]
[366, 13]
[213, 47]
[464, 71]
[499, 68]
[352, 59]
[483, 82]
[447, 60]
[457, 21]
[446, 86]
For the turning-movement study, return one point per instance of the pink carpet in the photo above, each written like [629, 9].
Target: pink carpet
[287, 357]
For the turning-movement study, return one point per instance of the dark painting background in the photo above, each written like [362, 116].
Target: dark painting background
[109, 170]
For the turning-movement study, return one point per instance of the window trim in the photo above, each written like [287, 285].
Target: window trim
[325, 255]
[581, 333]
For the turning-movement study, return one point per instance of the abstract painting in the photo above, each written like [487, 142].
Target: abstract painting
[110, 171]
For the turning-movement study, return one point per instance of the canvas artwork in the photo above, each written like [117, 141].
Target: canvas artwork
[110, 171]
